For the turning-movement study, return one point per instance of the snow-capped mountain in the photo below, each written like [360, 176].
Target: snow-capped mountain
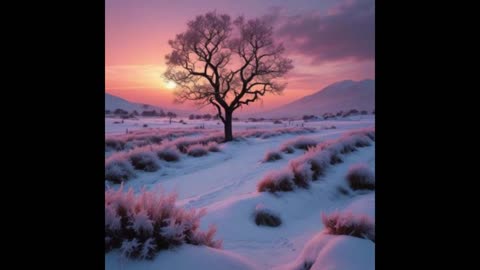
[343, 95]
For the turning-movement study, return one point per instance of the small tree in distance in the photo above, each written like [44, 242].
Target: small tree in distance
[226, 64]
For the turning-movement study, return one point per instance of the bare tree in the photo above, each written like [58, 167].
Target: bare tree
[226, 64]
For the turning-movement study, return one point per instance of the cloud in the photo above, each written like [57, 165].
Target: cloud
[345, 32]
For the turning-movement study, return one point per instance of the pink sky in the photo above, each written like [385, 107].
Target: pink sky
[328, 41]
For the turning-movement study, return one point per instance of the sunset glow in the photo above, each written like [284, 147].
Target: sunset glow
[240, 107]
[170, 85]
[315, 34]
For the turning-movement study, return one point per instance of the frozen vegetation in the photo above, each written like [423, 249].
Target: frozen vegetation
[190, 201]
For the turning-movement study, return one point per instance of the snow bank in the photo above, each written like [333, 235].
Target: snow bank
[335, 252]
[186, 257]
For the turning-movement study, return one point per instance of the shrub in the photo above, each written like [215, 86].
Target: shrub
[342, 190]
[303, 143]
[213, 147]
[307, 265]
[315, 161]
[299, 143]
[277, 122]
[335, 159]
[182, 145]
[169, 154]
[114, 144]
[272, 156]
[277, 181]
[287, 149]
[197, 150]
[266, 217]
[318, 161]
[144, 160]
[302, 174]
[141, 225]
[360, 176]
[349, 224]
[118, 169]
[369, 132]
[362, 140]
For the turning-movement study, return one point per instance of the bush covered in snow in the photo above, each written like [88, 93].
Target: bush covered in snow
[184, 143]
[326, 251]
[140, 138]
[197, 150]
[369, 132]
[213, 147]
[118, 168]
[141, 225]
[177, 137]
[112, 144]
[272, 156]
[168, 154]
[277, 181]
[335, 159]
[343, 191]
[267, 133]
[266, 217]
[349, 224]
[312, 165]
[300, 143]
[287, 149]
[360, 176]
[144, 160]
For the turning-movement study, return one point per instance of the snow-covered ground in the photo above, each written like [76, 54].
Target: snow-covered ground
[225, 184]
[115, 126]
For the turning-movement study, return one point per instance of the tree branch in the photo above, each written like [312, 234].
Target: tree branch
[218, 109]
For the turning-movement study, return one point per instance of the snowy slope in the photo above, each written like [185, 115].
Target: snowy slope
[225, 184]
[185, 257]
[343, 95]
[113, 102]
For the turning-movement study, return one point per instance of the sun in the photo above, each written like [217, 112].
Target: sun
[170, 85]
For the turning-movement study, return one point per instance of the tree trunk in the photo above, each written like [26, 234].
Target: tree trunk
[228, 126]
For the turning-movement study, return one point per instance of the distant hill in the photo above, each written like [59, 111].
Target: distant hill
[113, 102]
[343, 95]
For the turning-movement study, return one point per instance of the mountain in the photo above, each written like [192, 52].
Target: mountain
[113, 102]
[343, 95]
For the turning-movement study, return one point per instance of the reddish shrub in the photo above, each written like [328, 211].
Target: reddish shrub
[360, 176]
[272, 156]
[349, 224]
[141, 225]
[277, 181]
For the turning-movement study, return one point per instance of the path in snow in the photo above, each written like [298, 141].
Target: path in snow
[225, 184]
